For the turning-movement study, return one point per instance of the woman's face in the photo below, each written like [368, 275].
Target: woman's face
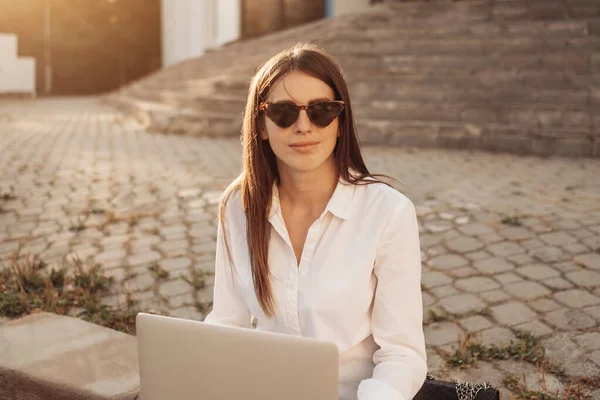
[303, 146]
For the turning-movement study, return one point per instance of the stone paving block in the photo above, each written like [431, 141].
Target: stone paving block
[577, 298]
[173, 246]
[175, 266]
[145, 241]
[595, 357]
[535, 327]
[559, 238]
[143, 258]
[444, 291]
[110, 256]
[568, 319]
[428, 299]
[477, 255]
[449, 261]
[589, 260]
[494, 296]
[464, 272]
[491, 238]
[174, 287]
[67, 357]
[475, 323]
[529, 373]
[575, 248]
[477, 284]
[564, 352]
[567, 266]
[593, 311]
[512, 313]
[186, 312]
[557, 284]
[442, 333]
[475, 229]
[462, 303]
[520, 259]
[508, 277]
[548, 254]
[537, 272]
[504, 249]
[516, 233]
[182, 299]
[114, 241]
[496, 335]
[434, 278]
[173, 232]
[589, 340]
[141, 282]
[204, 248]
[544, 305]
[532, 244]
[526, 290]
[493, 266]
[463, 245]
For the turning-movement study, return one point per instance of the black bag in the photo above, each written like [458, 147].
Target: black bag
[433, 389]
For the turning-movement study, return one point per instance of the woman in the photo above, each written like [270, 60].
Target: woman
[309, 243]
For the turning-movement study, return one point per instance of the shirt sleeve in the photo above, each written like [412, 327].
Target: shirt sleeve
[397, 315]
[229, 307]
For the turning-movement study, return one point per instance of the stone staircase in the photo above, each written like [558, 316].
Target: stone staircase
[516, 76]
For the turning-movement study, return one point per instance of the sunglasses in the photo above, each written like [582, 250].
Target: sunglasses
[284, 114]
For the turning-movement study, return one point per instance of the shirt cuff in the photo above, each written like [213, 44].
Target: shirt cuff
[372, 389]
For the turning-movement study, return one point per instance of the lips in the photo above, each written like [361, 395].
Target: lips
[303, 144]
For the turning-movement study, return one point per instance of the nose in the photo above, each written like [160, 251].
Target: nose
[303, 123]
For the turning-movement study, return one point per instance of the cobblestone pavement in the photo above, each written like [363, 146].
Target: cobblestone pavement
[508, 242]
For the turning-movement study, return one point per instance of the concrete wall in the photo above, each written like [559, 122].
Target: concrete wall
[341, 7]
[17, 74]
[190, 27]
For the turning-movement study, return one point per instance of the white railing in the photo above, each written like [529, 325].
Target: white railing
[17, 74]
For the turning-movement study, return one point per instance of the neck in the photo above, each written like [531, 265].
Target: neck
[308, 190]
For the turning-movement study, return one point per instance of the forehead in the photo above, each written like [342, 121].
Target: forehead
[301, 88]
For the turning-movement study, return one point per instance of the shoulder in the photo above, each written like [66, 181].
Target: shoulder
[233, 209]
[385, 198]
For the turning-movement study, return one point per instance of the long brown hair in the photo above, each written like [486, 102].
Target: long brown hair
[259, 167]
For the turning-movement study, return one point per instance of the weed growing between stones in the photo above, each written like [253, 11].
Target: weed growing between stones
[575, 391]
[512, 221]
[197, 279]
[159, 272]
[526, 348]
[437, 316]
[26, 287]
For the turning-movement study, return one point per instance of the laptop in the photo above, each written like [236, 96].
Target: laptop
[185, 359]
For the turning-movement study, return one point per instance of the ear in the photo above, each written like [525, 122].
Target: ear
[263, 134]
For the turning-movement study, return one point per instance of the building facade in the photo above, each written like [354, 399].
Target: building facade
[94, 46]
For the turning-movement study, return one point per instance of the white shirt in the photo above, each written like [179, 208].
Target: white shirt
[358, 285]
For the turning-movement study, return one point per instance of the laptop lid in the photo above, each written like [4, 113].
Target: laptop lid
[184, 359]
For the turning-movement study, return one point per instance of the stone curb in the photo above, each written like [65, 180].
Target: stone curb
[47, 356]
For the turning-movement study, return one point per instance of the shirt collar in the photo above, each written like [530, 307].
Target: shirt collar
[339, 203]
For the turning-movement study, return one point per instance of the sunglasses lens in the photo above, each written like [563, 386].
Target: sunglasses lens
[283, 115]
[323, 114]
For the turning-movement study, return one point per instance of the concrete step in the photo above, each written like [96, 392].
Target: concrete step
[582, 119]
[465, 46]
[567, 61]
[482, 29]
[459, 94]
[491, 137]
[529, 79]
[47, 356]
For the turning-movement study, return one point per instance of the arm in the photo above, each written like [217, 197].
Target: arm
[229, 307]
[397, 316]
